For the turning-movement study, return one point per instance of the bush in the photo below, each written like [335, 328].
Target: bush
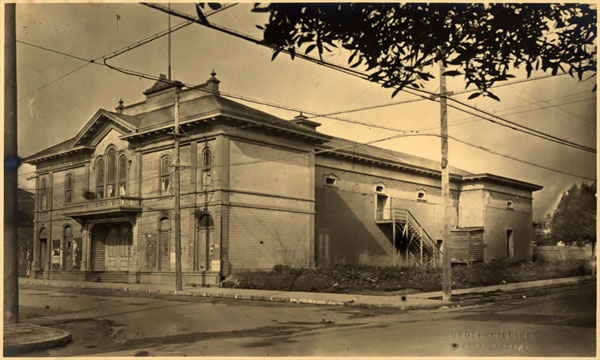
[352, 278]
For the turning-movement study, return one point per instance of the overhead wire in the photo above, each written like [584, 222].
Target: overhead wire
[563, 114]
[355, 144]
[119, 51]
[431, 96]
[522, 128]
[366, 124]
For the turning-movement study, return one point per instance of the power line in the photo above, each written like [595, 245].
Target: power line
[561, 112]
[326, 115]
[512, 157]
[53, 81]
[113, 53]
[432, 96]
[56, 51]
[522, 128]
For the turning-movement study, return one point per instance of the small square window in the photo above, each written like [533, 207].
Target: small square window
[509, 204]
[379, 188]
[330, 180]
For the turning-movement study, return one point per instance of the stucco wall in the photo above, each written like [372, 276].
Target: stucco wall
[346, 212]
[499, 218]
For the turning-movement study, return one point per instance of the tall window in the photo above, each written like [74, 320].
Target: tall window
[43, 194]
[68, 188]
[122, 175]
[111, 172]
[165, 176]
[206, 168]
[100, 179]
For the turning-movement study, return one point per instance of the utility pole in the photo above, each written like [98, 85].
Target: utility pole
[11, 164]
[176, 185]
[446, 264]
[169, 41]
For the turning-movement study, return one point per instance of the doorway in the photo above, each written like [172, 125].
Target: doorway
[68, 246]
[383, 207]
[205, 234]
[509, 244]
[43, 250]
[117, 247]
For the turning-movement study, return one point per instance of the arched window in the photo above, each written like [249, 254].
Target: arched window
[111, 172]
[43, 194]
[165, 175]
[122, 175]
[68, 188]
[100, 179]
[206, 168]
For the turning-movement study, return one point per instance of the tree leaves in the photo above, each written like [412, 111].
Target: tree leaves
[399, 43]
[574, 220]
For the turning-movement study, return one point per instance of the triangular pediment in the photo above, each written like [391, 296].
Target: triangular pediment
[100, 124]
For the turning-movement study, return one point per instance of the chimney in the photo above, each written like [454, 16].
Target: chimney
[303, 120]
[212, 84]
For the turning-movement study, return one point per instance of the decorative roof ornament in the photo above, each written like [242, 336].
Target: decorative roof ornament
[120, 107]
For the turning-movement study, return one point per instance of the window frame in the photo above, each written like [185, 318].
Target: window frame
[100, 180]
[206, 166]
[122, 174]
[43, 194]
[328, 177]
[111, 169]
[69, 186]
[164, 174]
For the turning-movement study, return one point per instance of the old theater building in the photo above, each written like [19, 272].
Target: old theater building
[256, 191]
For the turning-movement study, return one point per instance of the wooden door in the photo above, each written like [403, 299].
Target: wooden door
[99, 234]
[43, 254]
[125, 245]
[205, 231]
[112, 249]
[117, 247]
[204, 241]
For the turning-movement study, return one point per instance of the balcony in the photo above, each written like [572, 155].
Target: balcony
[109, 206]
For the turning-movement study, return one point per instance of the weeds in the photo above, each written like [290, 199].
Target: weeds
[353, 278]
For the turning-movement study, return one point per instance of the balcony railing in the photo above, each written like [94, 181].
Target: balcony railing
[101, 206]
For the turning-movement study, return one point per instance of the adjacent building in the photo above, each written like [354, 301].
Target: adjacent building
[256, 191]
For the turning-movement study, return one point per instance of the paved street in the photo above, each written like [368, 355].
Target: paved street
[561, 323]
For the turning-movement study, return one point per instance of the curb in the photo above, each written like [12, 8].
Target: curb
[62, 338]
[520, 293]
[238, 296]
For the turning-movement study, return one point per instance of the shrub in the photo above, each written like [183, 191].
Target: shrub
[352, 278]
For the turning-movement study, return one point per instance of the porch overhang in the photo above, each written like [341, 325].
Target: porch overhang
[110, 207]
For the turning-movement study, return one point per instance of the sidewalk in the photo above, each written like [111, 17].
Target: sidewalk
[20, 338]
[23, 337]
[403, 302]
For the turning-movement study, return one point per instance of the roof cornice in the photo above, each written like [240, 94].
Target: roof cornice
[35, 159]
[502, 180]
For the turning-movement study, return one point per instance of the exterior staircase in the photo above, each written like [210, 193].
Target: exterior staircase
[419, 247]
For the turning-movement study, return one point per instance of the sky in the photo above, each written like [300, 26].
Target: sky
[57, 94]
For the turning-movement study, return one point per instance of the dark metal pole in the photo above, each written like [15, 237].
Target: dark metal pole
[11, 163]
